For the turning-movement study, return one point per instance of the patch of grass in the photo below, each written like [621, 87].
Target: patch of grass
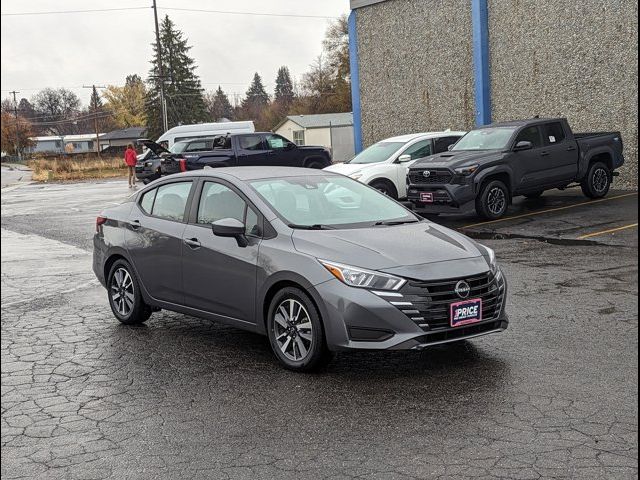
[86, 168]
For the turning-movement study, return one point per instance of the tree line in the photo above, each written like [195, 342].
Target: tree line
[324, 88]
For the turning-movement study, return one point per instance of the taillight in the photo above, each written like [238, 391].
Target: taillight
[99, 222]
[183, 165]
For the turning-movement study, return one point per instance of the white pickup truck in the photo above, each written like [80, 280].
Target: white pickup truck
[385, 164]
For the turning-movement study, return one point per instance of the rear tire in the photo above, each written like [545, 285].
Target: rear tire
[598, 181]
[493, 201]
[385, 187]
[534, 195]
[125, 298]
[295, 331]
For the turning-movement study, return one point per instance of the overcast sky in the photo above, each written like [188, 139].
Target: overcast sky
[74, 49]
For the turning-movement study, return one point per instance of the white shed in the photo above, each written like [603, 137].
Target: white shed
[331, 130]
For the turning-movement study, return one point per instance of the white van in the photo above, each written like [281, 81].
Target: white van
[187, 132]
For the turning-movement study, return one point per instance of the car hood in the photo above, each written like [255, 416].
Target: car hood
[457, 159]
[311, 148]
[346, 168]
[422, 251]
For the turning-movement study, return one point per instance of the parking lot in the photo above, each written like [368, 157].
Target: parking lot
[555, 396]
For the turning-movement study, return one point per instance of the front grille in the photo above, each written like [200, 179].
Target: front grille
[428, 303]
[436, 177]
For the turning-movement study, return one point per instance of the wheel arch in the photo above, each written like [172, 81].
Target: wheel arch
[503, 175]
[118, 253]
[276, 283]
[315, 158]
[387, 180]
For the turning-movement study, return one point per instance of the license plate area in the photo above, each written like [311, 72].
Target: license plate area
[426, 197]
[466, 312]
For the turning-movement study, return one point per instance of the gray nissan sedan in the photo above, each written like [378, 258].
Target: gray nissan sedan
[316, 261]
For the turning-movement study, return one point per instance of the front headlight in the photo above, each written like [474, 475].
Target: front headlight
[467, 170]
[491, 260]
[361, 278]
[148, 164]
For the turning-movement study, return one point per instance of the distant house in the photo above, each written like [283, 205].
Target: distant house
[82, 143]
[331, 130]
[121, 138]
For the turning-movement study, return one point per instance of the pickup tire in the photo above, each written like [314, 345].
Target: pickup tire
[598, 181]
[317, 164]
[386, 187]
[493, 200]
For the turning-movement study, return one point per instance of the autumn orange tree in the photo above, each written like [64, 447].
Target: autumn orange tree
[15, 134]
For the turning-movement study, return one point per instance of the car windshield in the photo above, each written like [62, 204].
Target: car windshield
[331, 201]
[377, 153]
[179, 147]
[493, 138]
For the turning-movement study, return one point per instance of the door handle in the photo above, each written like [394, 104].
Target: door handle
[135, 225]
[571, 149]
[544, 154]
[192, 243]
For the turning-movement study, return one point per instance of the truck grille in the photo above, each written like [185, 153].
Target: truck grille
[436, 177]
[428, 303]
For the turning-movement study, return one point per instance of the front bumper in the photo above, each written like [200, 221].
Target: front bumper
[448, 198]
[357, 319]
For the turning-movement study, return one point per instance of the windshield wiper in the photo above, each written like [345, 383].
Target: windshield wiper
[316, 226]
[394, 222]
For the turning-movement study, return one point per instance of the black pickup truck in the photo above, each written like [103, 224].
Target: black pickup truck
[248, 149]
[489, 166]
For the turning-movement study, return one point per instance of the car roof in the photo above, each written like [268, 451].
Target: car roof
[414, 136]
[255, 173]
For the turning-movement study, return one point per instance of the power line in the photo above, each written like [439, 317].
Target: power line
[175, 9]
[56, 12]
[255, 14]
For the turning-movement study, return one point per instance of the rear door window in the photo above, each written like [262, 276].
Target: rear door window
[171, 201]
[530, 134]
[251, 142]
[553, 133]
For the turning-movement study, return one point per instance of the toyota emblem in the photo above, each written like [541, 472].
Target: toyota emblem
[463, 289]
[426, 173]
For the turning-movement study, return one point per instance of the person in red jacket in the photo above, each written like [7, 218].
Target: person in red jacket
[130, 158]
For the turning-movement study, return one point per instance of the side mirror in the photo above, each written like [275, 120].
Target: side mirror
[523, 145]
[404, 158]
[230, 227]
[290, 146]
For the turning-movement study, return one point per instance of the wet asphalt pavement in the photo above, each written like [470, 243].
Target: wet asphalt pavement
[555, 396]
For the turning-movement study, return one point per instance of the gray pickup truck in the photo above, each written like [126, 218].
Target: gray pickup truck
[489, 166]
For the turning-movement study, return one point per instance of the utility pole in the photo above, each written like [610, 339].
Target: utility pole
[94, 88]
[15, 115]
[163, 103]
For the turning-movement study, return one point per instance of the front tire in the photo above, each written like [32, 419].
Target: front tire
[597, 182]
[386, 188]
[124, 295]
[315, 164]
[296, 332]
[493, 201]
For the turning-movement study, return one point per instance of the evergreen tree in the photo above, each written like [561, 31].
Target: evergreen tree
[183, 90]
[256, 97]
[218, 105]
[95, 102]
[284, 95]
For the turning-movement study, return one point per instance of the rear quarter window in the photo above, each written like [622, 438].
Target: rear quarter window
[146, 202]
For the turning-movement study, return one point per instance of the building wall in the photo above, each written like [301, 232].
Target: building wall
[572, 59]
[416, 71]
[551, 58]
[287, 129]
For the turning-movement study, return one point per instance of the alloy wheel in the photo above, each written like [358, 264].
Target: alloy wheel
[496, 201]
[122, 292]
[600, 180]
[293, 330]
